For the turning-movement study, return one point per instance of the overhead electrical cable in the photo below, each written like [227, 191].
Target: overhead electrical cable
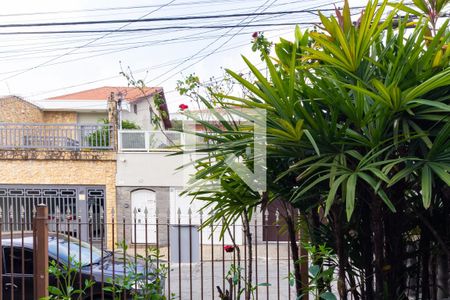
[210, 44]
[189, 3]
[216, 49]
[137, 71]
[114, 48]
[163, 19]
[109, 52]
[84, 45]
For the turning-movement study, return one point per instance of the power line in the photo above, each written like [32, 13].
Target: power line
[114, 8]
[210, 44]
[157, 28]
[166, 64]
[116, 41]
[44, 42]
[114, 48]
[114, 51]
[163, 19]
[215, 50]
[184, 60]
[84, 45]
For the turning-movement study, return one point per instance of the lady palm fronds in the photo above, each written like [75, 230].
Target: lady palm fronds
[357, 126]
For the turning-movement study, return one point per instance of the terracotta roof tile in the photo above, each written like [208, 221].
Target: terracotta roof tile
[130, 94]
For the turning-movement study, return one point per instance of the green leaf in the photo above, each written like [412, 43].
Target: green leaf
[251, 87]
[311, 139]
[55, 291]
[442, 172]
[405, 8]
[370, 94]
[263, 284]
[376, 187]
[438, 80]
[444, 107]
[328, 296]
[422, 5]
[333, 191]
[314, 270]
[426, 182]
[350, 195]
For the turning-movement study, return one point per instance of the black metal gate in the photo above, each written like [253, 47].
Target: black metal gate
[71, 204]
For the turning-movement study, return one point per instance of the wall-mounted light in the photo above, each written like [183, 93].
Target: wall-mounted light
[81, 195]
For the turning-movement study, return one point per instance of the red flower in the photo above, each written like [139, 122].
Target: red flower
[183, 106]
[255, 34]
[228, 248]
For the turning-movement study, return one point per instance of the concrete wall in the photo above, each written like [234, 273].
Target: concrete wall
[91, 118]
[15, 110]
[142, 117]
[149, 169]
[155, 171]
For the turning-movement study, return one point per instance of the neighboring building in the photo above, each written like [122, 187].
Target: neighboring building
[61, 152]
[51, 154]
[138, 105]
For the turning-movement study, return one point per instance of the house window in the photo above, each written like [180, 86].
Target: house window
[135, 108]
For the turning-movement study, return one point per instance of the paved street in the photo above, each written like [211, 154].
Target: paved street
[213, 276]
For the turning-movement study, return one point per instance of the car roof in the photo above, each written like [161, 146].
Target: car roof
[26, 238]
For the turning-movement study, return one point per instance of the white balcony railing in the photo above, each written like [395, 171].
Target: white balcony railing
[149, 141]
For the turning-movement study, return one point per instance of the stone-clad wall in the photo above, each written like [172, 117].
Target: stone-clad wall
[59, 117]
[68, 169]
[15, 110]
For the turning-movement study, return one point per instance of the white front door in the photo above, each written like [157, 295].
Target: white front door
[140, 201]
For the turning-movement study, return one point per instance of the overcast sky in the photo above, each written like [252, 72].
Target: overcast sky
[40, 66]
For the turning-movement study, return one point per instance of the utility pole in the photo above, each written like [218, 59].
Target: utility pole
[113, 120]
[119, 108]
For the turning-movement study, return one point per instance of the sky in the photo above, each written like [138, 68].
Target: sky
[38, 66]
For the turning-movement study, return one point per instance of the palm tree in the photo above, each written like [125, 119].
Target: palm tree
[358, 140]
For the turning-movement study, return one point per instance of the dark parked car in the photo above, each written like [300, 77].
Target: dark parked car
[102, 266]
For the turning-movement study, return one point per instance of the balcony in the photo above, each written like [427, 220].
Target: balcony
[56, 136]
[149, 141]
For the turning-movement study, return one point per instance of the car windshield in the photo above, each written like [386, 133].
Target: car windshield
[61, 248]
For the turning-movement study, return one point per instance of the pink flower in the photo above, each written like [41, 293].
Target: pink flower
[255, 34]
[183, 106]
[228, 248]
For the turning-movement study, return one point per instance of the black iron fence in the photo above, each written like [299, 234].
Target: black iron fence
[176, 260]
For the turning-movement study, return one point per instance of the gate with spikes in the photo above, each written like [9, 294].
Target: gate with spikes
[65, 203]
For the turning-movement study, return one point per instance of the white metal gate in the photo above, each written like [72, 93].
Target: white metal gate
[143, 204]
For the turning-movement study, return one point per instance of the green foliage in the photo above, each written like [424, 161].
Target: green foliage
[161, 107]
[67, 275]
[126, 124]
[261, 44]
[237, 282]
[101, 137]
[158, 99]
[147, 284]
[358, 128]
[321, 271]
[189, 85]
